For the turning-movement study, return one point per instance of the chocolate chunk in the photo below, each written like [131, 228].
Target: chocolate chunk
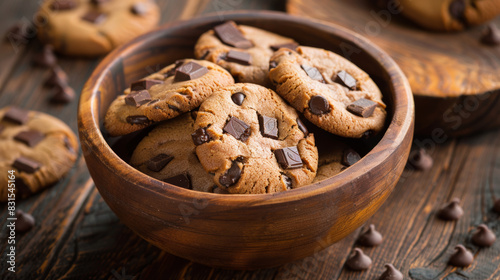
[358, 260]
[451, 211]
[238, 98]
[346, 80]
[24, 222]
[457, 10]
[238, 129]
[45, 57]
[302, 127]
[62, 5]
[483, 237]
[189, 71]
[391, 273]
[242, 58]
[231, 176]
[174, 108]
[57, 77]
[16, 115]
[181, 180]
[26, 165]
[63, 94]
[291, 45]
[158, 162]
[138, 119]
[288, 158]
[420, 160]
[171, 71]
[287, 180]
[144, 84]
[350, 157]
[29, 137]
[230, 34]
[268, 127]
[139, 9]
[362, 107]
[462, 257]
[491, 36]
[137, 98]
[313, 73]
[319, 105]
[496, 206]
[94, 17]
[272, 64]
[200, 136]
[370, 238]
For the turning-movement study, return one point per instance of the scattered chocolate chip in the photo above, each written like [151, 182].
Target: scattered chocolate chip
[451, 211]
[57, 77]
[26, 165]
[238, 129]
[61, 5]
[370, 238]
[350, 157]
[290, 45]
[288, 158]
[29, 137]
[358, 260]
[200, 136]
[24, 222]
[144, 84]
[158, 162]
[137, 98]
[139, 9]
[313, 73]
[319, 105]
[483, 237]
[231, 176]
[302, 127]
[63, 94]
[137, 119]
[181, 180]
[420, 160]
[45, 57]
[457, 10]
[462, 257]
[189, 71]
[272, 64]
[491, 36]
[230, 34]
[391, 273]
[94, 17]
[16, 115]
[496, 206]
[346, 80]
[238, 98]
[268, 127]
[242, 58]
[362, 107]
[287, 180]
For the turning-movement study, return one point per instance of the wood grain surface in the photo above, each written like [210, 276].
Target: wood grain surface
[77, 236]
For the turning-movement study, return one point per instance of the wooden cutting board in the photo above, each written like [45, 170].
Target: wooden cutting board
[454, 78]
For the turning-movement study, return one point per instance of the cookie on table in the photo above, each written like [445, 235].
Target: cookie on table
[40, 148]
[241, 49]
[330, 91]
[253, 141]
[94, 27]
[176, 89]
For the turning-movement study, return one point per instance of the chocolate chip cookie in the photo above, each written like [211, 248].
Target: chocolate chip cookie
[176, 89]
[253, 141]
[334, 158]
[330, 91]
[241, 49]
[92, 28]
[39, 148]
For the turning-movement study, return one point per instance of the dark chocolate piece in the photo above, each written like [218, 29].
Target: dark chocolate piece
[139, 9]
[64, 94]
[288, 158]
[291, 45]
[172, 107]
[242, 58]
[26, 165]
[457, 10]
[491, 36]
[313, 73]
[420, 160]
[268, 127]
[346, 80]
[57, 77]
[319, 105]
[391, 273]
[238, 98]
[302, 127]
[45, 57]
[144, 84]
[137, 98]
[231, 176]
[483, 237]
[181, 180]
[350, 157]
[189, 71]
[358, 260]
[362, 107]
[29, 137]
[158, 162]
[137, 119]
[94, 17]
[171, 71]
[230, 34]
[24, 222]
[200, 136]
[62, 5]
[370, 238]
[238, 129]
[462, 257]
[16, 115]
[451, 211]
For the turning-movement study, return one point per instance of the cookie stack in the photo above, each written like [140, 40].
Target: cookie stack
[214, 135]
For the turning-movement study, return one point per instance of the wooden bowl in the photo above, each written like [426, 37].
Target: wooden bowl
[244, 231]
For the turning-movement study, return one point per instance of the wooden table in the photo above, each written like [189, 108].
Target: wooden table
[77, 236]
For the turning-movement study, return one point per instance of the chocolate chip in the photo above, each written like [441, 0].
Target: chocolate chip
[319, 105]
[57, 77]
[24, 222]
[231, 176]
[370, 238]
[483, 237]
[272, 64]
[302, 127]
[287, 180]
[171, 71]
[242, 58]
[138, 119]
[29, 137]
[189, 71]
[358, 260]
[204, 55]
[158, 162]
[288, 158]
[496, 206]
[391, 273]
[63, 94]
[137, 98]
[94, 17]
[238, 98]
[16, 115]
[26, 165]
[200, 136]
[45, 57]
[144, 84]
[268, 127]
[346, 80]
[238, 129]
[350, 157]
[139, 9]
[451, 211]
[290, 45]
[61, 5]
[174, 108]
[462, 257]
[457, 10]
[362, 107]
[181, 180]
[420, 160]
[313, 73]
[230, 34]
[491, 36]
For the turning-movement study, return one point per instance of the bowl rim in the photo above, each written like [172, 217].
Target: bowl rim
[93, 141]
